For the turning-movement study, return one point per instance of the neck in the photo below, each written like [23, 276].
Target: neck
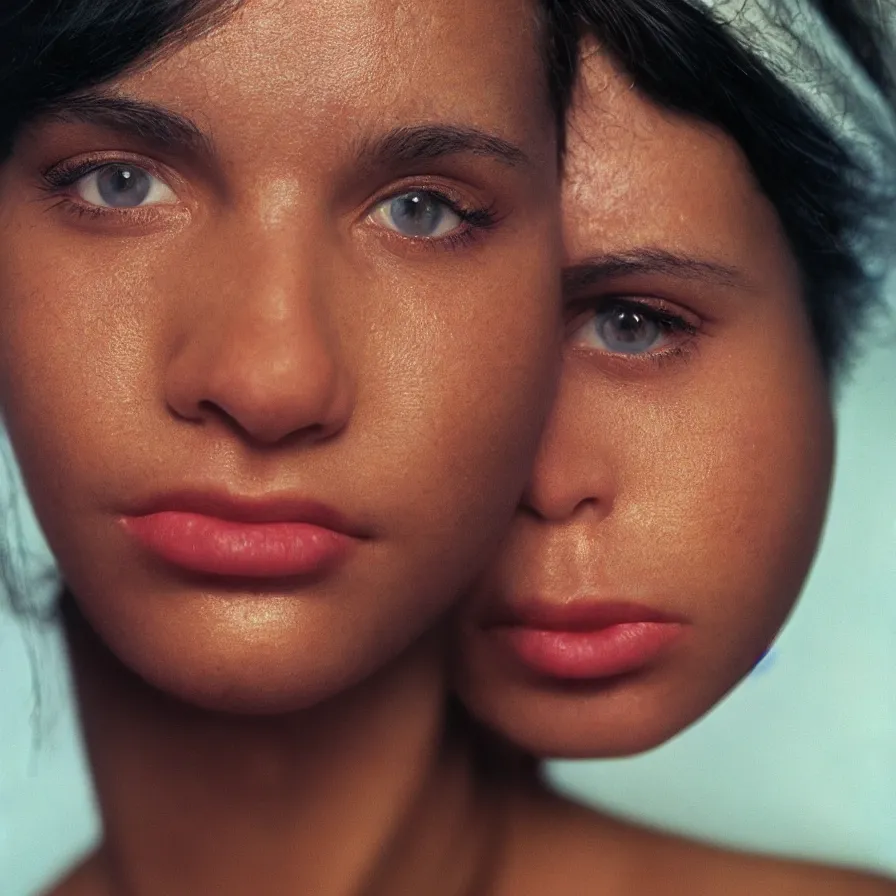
[366, 794]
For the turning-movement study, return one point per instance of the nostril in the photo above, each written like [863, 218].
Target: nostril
[261, 384]
[259, 426]
[208, 408]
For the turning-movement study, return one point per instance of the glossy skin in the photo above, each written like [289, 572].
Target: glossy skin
[255, 324]
[689, 475]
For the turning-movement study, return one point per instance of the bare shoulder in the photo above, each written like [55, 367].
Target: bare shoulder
[747, 874]
[565, 848]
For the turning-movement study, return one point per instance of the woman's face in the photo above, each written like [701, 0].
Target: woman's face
[280, 318]
[681, 485]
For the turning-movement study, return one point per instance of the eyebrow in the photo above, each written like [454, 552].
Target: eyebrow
[649, 261]
[146, 121]
[432, 141]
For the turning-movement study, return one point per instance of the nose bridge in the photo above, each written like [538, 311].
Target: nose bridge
[272, 302]
[575, 469]
[263, 349]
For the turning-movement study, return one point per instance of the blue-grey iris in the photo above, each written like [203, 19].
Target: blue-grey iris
[417, 214]
[121, 186]
[627, 331]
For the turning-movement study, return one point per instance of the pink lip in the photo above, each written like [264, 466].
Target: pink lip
[587, 640]
[240, 537]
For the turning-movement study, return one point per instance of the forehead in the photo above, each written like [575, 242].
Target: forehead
[360, 63]
[639, 175]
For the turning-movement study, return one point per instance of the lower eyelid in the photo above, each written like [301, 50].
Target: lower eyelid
[460, 238]
[138, 216]
[676, 328]
[465, 233]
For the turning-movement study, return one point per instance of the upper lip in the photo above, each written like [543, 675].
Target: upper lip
[270, 508]
[582, 614]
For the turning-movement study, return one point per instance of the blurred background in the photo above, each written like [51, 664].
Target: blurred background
[799, 760]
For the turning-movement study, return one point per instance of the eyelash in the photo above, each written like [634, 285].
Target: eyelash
[474, 221]
[66, 174]
[660, 314]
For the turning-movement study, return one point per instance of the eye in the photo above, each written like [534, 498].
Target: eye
[630, 329]
[419, 214]
[122, 186]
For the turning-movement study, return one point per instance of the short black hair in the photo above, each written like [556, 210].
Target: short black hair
[684, 61]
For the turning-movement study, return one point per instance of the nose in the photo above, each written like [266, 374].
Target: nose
[261, 351]
[573, 471]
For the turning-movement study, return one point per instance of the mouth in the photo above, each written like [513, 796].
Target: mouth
[587, 639]
[268, 537]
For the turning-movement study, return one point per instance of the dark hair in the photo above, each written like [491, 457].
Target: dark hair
[684, 61]
[560, 30]
[50, 50]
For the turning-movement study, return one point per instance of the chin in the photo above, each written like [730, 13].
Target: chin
[592, 720]
[214, 681]
[220, 663]
[240, 692]
[580, 738]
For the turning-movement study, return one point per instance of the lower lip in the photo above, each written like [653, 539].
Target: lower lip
[604, 653]
[213, 546]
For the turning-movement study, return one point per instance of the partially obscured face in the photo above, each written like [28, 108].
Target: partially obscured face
[279, 324]
[681, 486]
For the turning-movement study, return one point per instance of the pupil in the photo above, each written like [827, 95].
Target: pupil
[628, 331]
[416, 214]
[123, 186]
[629, 324]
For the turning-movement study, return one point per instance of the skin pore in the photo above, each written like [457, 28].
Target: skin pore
[333, 280]
[685, 468]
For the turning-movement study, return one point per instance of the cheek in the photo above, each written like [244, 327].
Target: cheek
[464, 393]
[71, 360]
[740, 494]
[72, 314]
